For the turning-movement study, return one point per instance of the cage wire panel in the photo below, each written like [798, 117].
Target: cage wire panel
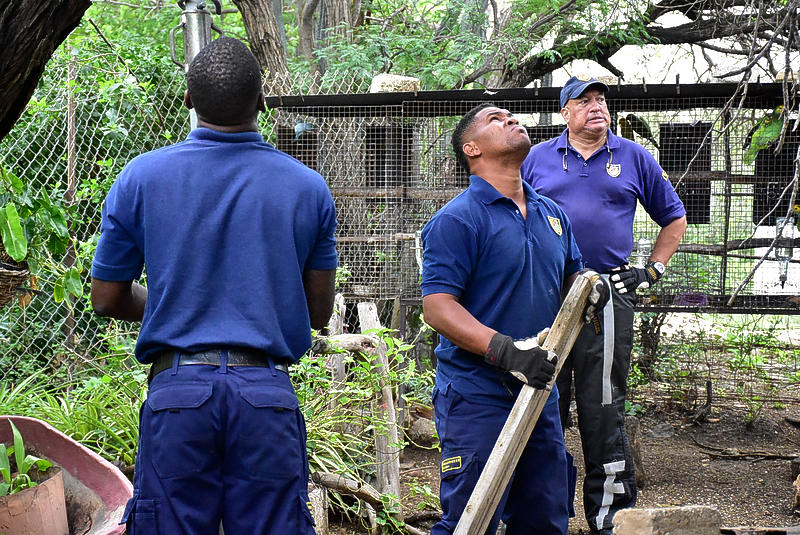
[89, 116]
[390, 167]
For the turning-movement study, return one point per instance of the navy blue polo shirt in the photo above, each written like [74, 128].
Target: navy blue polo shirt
[599, 195]
[226, 225]
[508, 272]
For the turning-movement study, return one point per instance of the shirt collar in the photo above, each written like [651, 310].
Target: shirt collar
[207, 134]
[612, 140]
[488, 194]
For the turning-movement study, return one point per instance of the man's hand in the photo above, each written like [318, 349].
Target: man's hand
[524, 359]
[628, 278]
[598, 297]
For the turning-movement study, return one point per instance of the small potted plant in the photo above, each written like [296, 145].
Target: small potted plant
[31, 492]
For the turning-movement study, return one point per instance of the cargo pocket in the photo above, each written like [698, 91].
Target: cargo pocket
[271, 433]
[455, 463]
[140, 516]
[183, 431]
[459, 475]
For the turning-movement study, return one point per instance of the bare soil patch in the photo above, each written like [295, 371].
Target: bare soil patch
[742, 470]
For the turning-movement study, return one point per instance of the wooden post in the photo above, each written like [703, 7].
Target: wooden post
[387, 448]
[335, 361]
[522, 419]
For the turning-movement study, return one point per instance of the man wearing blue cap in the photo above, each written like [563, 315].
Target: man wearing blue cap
[597, 179]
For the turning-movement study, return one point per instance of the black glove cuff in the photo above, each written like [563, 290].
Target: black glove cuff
[498, 347]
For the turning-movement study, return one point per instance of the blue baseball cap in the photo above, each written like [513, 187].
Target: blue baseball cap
[575, 88]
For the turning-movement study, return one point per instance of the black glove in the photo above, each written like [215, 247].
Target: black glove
[524, 359]
[598, 297]
[628, 278]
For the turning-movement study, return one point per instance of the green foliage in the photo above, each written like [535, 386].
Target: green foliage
[633, 409]
[30, 221]
[100, 411]
[20, 479]
[428, 499]
[343, 274]
[340, 422]
[422, 39]
[387, 517]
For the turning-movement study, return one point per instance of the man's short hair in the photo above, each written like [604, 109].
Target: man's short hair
[461, 129]
[224, 81]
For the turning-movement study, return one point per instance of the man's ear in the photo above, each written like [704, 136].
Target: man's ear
[565, 114]
[471, 150]
[261, 105]
[187, 100]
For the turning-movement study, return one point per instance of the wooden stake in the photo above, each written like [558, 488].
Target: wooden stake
[386, 443]
[522, 419]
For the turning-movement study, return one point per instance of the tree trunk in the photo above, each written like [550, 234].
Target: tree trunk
[337, 12]
[305, 27]
[264, 34]
[30, 31]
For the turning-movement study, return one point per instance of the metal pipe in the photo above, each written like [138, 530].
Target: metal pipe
[196, 24]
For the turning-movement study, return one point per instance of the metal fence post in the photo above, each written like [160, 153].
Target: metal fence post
[196, 23]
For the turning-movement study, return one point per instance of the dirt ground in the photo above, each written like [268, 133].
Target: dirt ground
[743, 471]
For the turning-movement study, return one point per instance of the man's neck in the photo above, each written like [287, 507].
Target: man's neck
[248, 126]
[504, 177]
[587, 143]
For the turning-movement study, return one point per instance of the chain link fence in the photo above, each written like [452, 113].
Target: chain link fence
[388, 163]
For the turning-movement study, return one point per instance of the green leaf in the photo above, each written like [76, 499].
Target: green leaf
[59, 293]
[72, 282]
[19, 448]
[13, 180]
[14, 240]
[59, 221]
[5, 466]
[43, 464]
[4, 488]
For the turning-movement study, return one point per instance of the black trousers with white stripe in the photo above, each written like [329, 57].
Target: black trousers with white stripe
[597, 368]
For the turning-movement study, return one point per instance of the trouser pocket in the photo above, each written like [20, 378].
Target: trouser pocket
[140, 517]
[181, 430]
[272, 441]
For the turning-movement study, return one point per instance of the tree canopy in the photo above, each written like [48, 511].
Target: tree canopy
[339, 45]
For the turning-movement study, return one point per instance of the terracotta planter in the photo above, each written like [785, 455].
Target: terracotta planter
[96, 491]
[40, 510]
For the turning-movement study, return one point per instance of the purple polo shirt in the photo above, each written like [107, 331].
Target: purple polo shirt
[599, 194]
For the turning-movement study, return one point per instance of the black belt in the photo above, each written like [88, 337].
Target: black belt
[213, 357]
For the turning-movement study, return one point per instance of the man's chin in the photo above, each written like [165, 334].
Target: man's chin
[597, 126]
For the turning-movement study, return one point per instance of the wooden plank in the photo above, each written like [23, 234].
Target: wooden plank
[387, 448]
[522, 419]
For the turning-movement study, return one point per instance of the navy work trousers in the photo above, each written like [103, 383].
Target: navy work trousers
[220, 445]
[538, 497]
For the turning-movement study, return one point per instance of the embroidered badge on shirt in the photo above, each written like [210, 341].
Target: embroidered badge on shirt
[453, 463]
[613, 169]
[556, 224]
